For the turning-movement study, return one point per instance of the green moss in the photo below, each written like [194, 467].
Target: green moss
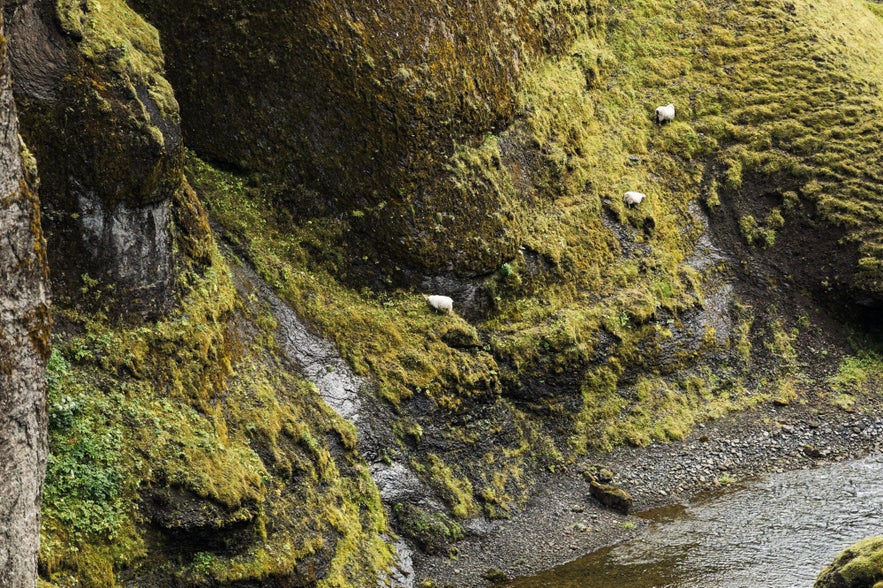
[780, 341]
[756, 234]
[858, 565]
[456, 490]
[577, 305]
[89, 484]
[435, 533]
[844, 402]
[112, 37]
[653, 409]
[394, 337]
[855, 384]
[206, 410]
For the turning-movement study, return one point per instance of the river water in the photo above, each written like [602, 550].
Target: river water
[775, 532]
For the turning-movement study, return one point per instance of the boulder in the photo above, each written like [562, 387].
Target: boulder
[857, 566]
[610, 496]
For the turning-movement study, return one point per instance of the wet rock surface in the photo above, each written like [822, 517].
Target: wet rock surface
[348, 394]
[105, 132]
[351, 397]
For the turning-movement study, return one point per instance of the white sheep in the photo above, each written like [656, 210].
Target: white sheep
[441, 303]
[633, 198]
[665, 113]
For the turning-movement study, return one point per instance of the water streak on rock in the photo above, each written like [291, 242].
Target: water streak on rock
[351, 397]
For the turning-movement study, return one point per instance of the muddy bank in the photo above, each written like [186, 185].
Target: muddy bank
[561, 522]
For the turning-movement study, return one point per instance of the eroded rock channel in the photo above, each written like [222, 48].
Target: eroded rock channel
[350, 396]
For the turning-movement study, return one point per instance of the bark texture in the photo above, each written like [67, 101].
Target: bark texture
[24, 347]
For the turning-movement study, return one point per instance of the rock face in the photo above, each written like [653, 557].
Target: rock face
[103, 123]
[857, 566]
[24, 348]
[363, 106]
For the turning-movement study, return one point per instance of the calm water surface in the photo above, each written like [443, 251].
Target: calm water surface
[777, 532]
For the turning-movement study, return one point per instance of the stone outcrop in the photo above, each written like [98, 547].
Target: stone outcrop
[611, 496]
[24, 349]
[103, 124]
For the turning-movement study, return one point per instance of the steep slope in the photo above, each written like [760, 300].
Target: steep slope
[189, 452]
[613, 325]
[358, 108]
[184, 448]
[579, 323]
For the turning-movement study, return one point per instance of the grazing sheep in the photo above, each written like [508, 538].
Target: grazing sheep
[665, 113]
[632, 199]
[441, 303]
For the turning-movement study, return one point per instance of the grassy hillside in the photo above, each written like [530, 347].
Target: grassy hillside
[773, 130]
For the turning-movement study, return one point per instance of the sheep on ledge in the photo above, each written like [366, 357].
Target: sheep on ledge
[440, 303]
[665, 113]
[633, 198]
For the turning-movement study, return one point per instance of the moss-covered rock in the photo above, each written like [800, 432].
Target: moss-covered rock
[611, 496]
[103, 124]
[383, 111]
[434, 532]
[857, 566]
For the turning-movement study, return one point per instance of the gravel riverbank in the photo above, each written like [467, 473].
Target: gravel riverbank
[560, 522]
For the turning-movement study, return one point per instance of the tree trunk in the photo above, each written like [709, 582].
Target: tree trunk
[24, 348]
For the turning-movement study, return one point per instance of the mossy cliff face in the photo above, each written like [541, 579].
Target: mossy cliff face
[186, 452]
[103, 124]
[359, 109]
[609, 324]
[601, 324]
[24, 347]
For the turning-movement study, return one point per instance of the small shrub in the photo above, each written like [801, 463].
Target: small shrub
[755, 234]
